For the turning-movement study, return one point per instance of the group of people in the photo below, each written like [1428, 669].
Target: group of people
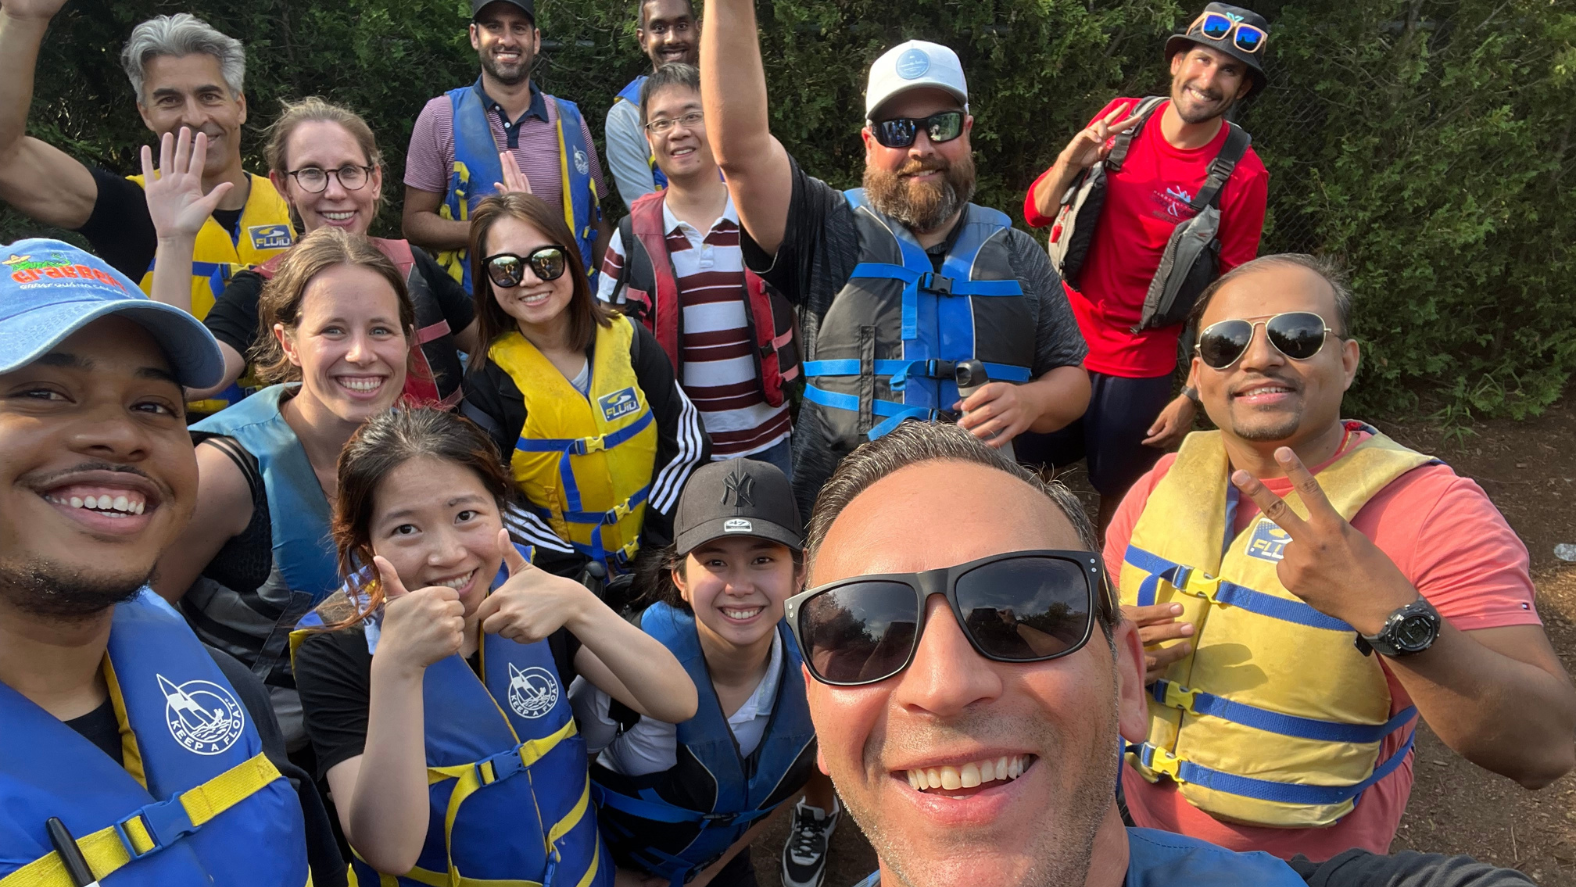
[477, 556]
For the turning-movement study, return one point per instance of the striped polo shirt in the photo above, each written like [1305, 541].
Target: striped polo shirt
[717, 346]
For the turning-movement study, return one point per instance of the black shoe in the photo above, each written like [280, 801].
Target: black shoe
[804, 856]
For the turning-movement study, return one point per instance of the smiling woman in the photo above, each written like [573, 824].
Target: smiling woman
[255, 556]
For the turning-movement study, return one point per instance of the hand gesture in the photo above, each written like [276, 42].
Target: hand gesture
[174, 191]
[1157, 623]
[532, 603]
[1089, 146]
[1332, 567]
[513, 179]
[31, 9]
[996, 413]
[420, 627]
[1173, 424]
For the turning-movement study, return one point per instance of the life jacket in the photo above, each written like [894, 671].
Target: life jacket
[678, 822]
[510, 801]
[584, 464]
[1275, 718]
[631, 94]
[196, 801]
[476, 169]
[263, 231]
[433, 378]
[651, 288]
[254, 626]
[886, 348]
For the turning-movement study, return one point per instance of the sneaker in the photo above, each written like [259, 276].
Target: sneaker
[804, 856]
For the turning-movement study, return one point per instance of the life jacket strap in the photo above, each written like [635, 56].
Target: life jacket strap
[1197, 583]
[895, 413]
[584, 445]
[900, 370]
[915, 282]
[612, 515]
[154, 827]
[1182, 770]
[1199, 703]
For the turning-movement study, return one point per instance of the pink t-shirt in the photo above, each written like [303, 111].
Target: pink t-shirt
[1450, 541]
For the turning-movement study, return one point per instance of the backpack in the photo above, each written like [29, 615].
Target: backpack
[1192, 255]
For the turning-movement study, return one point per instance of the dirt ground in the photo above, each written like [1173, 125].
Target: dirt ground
[1529, 470]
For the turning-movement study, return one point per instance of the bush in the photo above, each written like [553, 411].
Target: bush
[1425, 143]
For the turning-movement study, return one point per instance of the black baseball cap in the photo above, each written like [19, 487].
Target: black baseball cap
[740, 497]
[1195, 35]
[526, 6]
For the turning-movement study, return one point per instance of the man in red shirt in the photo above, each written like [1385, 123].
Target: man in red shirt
[1300, 654]
[1124, 429]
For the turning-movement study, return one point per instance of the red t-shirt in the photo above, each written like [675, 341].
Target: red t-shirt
[1450, 541]
[1143, 204]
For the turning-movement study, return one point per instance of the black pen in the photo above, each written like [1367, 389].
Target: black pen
[70, 854]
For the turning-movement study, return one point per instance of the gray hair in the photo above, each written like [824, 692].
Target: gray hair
[1325, 268]
[180, 35]
[915, 442]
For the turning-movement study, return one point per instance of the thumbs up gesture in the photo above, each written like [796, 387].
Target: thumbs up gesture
[533, 603]
[420, 627]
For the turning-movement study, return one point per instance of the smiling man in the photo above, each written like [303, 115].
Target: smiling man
[1170, 165]
[183, 73]
[668, 34]
[898, 282]
[1306, 639]
[118, 722]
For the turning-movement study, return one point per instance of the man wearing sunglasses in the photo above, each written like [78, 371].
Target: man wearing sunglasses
[1159, 159]
[1291, 648]
[902, 280]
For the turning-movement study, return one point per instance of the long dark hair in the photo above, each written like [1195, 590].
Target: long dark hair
[374, 452]
[586, 312]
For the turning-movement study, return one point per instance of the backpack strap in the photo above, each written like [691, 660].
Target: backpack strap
[1237, 142]
[1118, 155]
[646, 220]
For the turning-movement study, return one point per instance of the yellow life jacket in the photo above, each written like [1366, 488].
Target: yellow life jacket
[584, 463]
[1276, 717]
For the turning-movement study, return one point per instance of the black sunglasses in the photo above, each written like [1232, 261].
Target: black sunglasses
[1023, 606]
[1297, 334]
[506, 270]
[900, 132]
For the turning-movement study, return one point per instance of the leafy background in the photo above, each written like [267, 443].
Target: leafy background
[1426, 144]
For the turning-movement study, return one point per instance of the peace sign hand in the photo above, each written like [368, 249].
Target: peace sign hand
[420, 627]
[1328, 563]
[513, 180]
[1089, 146]
[532, 603]
[174, 191]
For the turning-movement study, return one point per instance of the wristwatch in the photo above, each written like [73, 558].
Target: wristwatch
[1410, 629]
[1191, 393]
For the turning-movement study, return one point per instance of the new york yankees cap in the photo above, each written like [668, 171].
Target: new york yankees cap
[737, 497]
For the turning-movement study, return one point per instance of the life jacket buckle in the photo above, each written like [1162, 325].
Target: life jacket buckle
[501, 766]
[940, 369]
[1165, 763]
[1180, 697]
[932, 282]
[587, 445]
[165, 823]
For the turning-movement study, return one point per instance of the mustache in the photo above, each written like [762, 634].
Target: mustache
[924, 164]
[43, 481]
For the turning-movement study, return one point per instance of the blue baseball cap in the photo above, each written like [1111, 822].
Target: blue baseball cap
[50, 289]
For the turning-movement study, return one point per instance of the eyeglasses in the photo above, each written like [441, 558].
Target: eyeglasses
[1023, 606]
[900, 132]
[1217, 27]
[506, 270]
[663, 125]
[350, 176]
[1297, 334]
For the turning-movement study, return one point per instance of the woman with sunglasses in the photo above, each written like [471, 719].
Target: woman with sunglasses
[325, 161]
[599, 437]
[718, 593]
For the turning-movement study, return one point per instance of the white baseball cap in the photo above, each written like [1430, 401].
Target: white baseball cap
[912, 65]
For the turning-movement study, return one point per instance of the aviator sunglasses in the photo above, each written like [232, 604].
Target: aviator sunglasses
[900, 132]
[1217, 27]
[1297, 334]
[1023, 606]
[506, 270]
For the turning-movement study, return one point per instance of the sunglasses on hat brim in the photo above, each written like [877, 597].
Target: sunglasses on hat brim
[1217, 27]
[507, 270]
[1022, 606]
[900, 132]
[1298, 335]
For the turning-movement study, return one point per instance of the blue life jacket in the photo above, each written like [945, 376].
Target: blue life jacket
[254, 626]
[476, 169]
[885, 349]
[631, 94]
[196, 801]
[676, 823]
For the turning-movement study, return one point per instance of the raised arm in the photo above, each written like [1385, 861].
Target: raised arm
[1086, 149]
[733, 93]
[38, 179]
[179, 209]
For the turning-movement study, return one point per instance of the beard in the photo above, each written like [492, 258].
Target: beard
[50, 591]
[921, 206]
[512, 75]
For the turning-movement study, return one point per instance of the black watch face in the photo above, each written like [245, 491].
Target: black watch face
[1415, 632]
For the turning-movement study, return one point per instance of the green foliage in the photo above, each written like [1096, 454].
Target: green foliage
[1425, 143]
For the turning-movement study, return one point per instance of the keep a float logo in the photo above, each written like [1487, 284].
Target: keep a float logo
[532, 691]
[1268, 542]
[58, 266]
[202, 716]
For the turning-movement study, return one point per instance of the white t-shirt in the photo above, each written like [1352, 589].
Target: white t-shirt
[651, 746]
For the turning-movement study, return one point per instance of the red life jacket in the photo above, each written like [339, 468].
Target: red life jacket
[421, 389]
[651, 292]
